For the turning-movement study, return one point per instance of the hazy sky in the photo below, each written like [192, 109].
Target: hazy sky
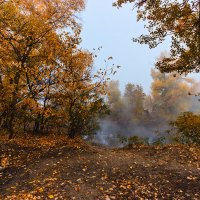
[112, 28]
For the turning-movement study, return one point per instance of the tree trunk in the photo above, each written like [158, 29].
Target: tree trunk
[72, 130]
[10, 127]
[36, 129]
[12, 108]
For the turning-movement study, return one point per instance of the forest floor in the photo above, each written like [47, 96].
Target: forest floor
[49, 169]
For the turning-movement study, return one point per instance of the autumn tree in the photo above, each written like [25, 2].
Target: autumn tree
[78, 97]
[27, 29]
[46, 81]
[129, 107]
[170, 95]
[134, 98]
[179, 20]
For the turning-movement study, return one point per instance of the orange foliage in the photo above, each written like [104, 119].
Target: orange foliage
[46, 82]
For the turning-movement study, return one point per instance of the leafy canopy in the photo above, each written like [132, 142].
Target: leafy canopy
[47, 83]
[179, 20]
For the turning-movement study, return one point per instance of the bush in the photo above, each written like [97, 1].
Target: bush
[186, 129]
[134, 140]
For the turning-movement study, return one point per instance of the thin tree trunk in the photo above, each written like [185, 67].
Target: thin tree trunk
[36, 129]
[12, 109]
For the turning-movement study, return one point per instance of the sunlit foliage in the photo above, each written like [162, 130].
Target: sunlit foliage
[46, 82]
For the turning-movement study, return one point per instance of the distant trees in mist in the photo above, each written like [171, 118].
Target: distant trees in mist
[135, 113]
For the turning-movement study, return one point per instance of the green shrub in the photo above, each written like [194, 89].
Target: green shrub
[186, 129]
[134, 140]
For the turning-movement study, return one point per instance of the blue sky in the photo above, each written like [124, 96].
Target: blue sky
[113, 29]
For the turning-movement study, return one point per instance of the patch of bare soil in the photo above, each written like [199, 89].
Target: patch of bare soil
[86, 172]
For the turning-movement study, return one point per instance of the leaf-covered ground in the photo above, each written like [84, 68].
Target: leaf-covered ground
[79, 171]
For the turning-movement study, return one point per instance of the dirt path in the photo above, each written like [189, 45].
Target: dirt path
[170, 172]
